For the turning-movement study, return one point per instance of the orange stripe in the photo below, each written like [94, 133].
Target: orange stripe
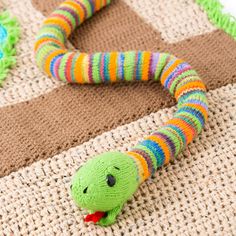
[42, 40]
[187, 129]
[180, 141]
[113, 66]
[143, 163]
[50, 57]
[170, 69]
[79, 68]
[198, 107]
[189, 86]
[163, 146]
[60, 22]
[76, 7]
[145, 66]
[98, 5]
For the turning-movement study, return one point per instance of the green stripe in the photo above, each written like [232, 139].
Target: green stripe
[193, 119]
[160, 65]
[42, 53]
[75, 58]
[50, 30]
[62, 67]
[96, 67]
[88, 7]
[152, 156]
[67, 15]
[176, 80]
[129, 64]
[187, 80]
[173, 138]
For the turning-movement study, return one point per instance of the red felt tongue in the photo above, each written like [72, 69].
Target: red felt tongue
[95, 217]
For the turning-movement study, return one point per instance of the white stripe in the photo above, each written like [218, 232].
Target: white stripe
[194, 194]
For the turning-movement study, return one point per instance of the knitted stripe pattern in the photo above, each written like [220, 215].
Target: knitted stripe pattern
[174, 74]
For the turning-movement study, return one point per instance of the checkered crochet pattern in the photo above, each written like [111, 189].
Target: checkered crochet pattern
[174, 74]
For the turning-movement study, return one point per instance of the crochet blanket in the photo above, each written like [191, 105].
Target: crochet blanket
[48, 128]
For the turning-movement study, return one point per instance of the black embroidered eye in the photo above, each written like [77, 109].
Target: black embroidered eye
[111, 180]
[117, 168]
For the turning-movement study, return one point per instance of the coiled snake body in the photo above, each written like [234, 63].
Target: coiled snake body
[107, 181]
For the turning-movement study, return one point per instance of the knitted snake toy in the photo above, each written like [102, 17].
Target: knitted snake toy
[106, 182]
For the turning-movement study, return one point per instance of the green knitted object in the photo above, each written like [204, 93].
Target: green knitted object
[98, 194]
[9, 35]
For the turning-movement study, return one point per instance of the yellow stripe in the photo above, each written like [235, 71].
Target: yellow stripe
[59, 22]
[170, 69]
[113, 66]
[143, 163]
[76, 7]
[85, 68]
[145, 66]
[163, 146]
[78, 69]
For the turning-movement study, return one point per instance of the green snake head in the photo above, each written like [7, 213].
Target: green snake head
[104, 184]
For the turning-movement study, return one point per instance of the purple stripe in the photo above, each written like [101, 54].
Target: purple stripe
[147, 159]
[178, 74]
[149, 68]
[168, 141]
[72, 12]
[56, 67]
[155, 59]
[90, 73]
[176, 70]
[120, 66]
[83, 7]
[136, 65]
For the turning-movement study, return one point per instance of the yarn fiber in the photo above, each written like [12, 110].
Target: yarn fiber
[177, 76]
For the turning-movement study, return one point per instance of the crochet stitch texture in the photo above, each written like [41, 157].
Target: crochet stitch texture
[175, 75]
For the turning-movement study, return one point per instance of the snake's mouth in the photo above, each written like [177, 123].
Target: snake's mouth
[95, 217]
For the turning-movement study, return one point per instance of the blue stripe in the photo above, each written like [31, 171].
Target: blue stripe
[121, 66]
[198, 102]
[53, 62]
[189, 121]
[91, 2]
[156, 150]
[185, 96]
[179, 132]
[138, 74]
[106, 67]
[173, 73]
[193, 112]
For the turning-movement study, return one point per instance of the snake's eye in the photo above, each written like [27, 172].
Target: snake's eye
[111, 180]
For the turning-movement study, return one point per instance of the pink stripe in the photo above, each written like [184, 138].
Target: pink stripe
[56, 68]
[68, 67]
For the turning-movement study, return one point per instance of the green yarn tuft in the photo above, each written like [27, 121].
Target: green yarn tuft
[7, 46]
[222, 20]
